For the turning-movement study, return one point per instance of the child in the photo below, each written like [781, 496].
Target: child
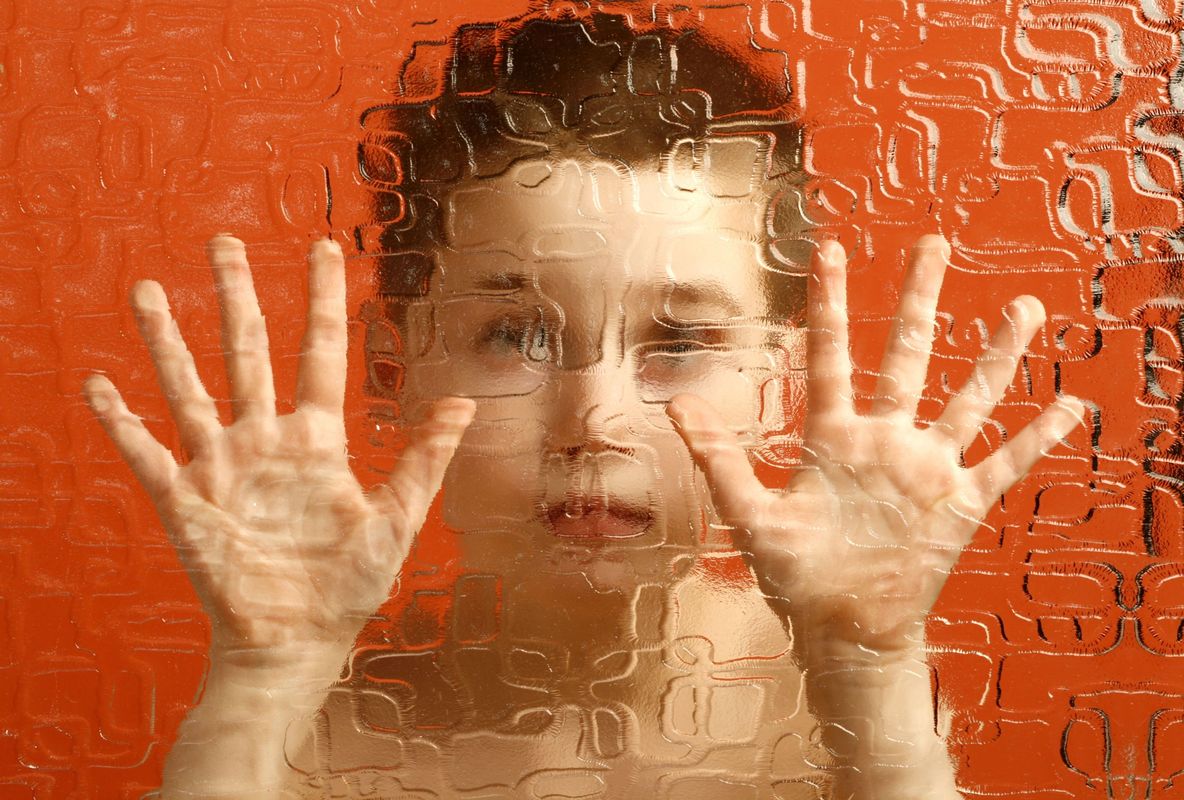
[591, 270]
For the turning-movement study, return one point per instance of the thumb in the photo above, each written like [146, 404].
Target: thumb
[417, 476]
[735, 489]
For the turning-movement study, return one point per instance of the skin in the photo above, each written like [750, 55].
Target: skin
[268, 517]
[884, 507]
[286, 551]
[627, 293]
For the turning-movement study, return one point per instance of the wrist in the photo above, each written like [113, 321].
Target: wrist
[842, 683]
[278, 668]
[878, 724]
[235, 742]
[249, 692]
[825, 632]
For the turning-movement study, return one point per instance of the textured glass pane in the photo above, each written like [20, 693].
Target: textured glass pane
[879, 556]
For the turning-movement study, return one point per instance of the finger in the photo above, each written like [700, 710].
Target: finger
[244, 334]
[906, 356]
[828, 361]
[1006, 466]
[993, 371]
[193, 409]
[320, 380]
[419, 472]
[150, 461]
[735, 489]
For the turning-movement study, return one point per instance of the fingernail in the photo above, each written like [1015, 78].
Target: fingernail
[325, 244]
[1073, 406]
[1014, 312]
[220, 249]
[932, 241]
[1031, 309]
[456, 413]
[831, 252]
[98, 401]
[148, 296]
[691, 419]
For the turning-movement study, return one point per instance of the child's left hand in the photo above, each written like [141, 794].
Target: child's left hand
[860, 543]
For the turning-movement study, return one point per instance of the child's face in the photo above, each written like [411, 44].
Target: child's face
[573, 301]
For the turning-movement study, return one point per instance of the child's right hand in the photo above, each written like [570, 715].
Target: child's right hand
[287, 552]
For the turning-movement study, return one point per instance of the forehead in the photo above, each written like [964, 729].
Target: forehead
[565, 221]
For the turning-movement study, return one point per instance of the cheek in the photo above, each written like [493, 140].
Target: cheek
[496, 477]
[743, 387]
[677, 491]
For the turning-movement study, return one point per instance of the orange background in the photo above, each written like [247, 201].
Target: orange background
[1040, 138]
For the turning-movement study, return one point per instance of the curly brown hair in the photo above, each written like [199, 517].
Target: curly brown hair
[593, 86]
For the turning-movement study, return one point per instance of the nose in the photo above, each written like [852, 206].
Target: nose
[592, 405]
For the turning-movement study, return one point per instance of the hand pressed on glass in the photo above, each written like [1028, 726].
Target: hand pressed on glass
[860, 543]
[286, 550]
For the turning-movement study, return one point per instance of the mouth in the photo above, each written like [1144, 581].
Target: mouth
[597, 518]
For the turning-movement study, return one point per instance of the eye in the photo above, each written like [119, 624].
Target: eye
[677, 357]
[522, 335]
[677, 348]
[678, 341]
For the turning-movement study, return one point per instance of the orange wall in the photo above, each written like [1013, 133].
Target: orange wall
[1039, 138]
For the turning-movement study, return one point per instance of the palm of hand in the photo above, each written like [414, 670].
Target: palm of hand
[857, 548]
[863, 540]
[281, 543]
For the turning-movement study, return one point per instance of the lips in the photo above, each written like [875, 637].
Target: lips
[597, 518]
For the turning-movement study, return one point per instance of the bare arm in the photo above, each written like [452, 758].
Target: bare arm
[287, 553]
[235, 742]
[856, 549]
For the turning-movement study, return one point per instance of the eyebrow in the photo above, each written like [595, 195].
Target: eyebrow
[704, 293]
[502, 282]
[711, 293]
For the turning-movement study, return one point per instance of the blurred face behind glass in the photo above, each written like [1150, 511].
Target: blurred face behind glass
[573, 300]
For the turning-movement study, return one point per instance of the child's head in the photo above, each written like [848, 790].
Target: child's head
[591, 219]
[716, 119]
